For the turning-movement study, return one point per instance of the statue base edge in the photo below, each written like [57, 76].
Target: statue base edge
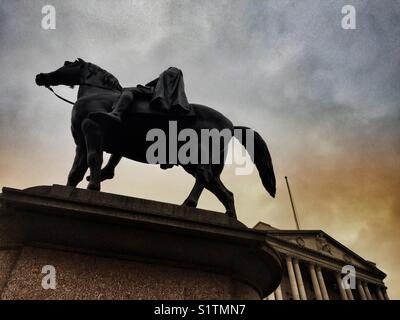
[106, 246]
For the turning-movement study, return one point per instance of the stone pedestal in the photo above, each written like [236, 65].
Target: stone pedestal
[106, 246]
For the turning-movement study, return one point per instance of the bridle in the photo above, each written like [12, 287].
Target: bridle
[58, 96]
[80, 84]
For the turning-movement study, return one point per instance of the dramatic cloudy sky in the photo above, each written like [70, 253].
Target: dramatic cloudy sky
[325, 99]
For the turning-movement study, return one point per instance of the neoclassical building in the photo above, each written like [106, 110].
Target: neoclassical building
[313, 267]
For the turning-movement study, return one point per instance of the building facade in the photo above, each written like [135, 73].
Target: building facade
[317, 267]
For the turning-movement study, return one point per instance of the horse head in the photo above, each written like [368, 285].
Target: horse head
[69, 74]
[79, 72]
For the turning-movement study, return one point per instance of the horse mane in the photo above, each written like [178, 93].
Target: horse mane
[104, 76]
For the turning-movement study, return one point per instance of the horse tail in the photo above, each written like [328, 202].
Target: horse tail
[261, 158]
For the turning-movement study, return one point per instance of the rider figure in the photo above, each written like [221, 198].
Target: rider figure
[166, 94]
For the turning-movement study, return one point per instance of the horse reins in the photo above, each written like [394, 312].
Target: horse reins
[58, 96]
[81, 84]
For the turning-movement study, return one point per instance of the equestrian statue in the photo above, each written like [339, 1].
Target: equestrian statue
[116, 120]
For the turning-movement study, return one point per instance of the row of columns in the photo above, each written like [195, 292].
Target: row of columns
[318, 283]
[363, 290]
[297, 283]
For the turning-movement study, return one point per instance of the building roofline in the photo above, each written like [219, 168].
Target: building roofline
[272, 232]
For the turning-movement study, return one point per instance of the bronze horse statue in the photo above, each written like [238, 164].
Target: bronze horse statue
[98, 90]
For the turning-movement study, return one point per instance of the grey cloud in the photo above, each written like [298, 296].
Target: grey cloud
[319, 94]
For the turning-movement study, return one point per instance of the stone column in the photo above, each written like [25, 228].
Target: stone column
[367, 293]
[341, 289]
[349, 294]
[315, 283]
[278, 293]
[379, 293]
[361, 291]
[322, 283]
[299, 278]
[292, 278]
[385, 294]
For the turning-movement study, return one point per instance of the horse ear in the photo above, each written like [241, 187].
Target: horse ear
[80, 60]
[67, 63]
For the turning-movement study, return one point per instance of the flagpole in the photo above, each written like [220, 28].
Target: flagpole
[292, 203]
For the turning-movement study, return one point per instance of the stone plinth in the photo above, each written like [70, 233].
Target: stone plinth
[106, 246]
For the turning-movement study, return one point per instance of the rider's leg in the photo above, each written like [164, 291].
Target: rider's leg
[122, 105]
[119, 109]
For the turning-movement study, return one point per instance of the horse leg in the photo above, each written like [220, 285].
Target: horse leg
[109, 169]
[224, 195]
[193, 198]
[202, 174]
[93, 137]
[79, 167]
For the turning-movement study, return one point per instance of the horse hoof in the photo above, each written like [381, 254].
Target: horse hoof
[189, 203]
[231, 214]
[105, 175]
[93, 186]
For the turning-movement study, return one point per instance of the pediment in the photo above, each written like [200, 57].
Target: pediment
[322, 244]
[319, 242]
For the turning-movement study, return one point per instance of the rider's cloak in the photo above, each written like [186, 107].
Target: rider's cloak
[167, 92]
